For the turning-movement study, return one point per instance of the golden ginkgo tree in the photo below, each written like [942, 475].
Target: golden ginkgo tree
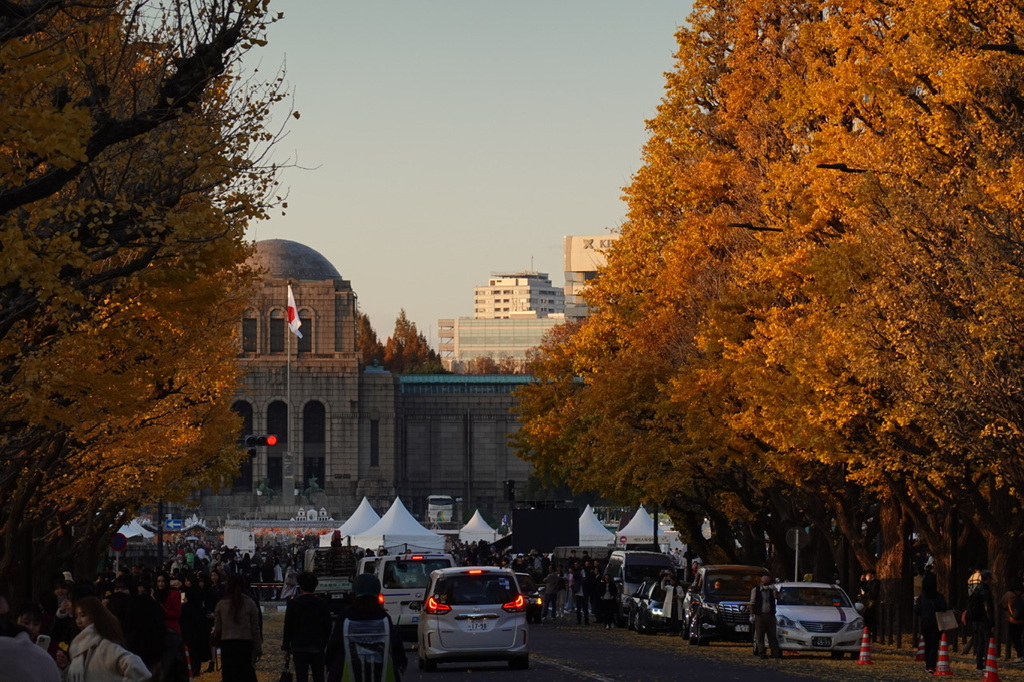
[817, 292]
[133, 158]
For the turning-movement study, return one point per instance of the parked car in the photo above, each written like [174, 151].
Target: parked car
[717, 605]
[534, 597]
[473, 614]
[818, 617]
[647, 611]
[629, 568]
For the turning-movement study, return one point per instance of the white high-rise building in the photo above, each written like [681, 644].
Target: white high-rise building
[583, 257]
[509, 295]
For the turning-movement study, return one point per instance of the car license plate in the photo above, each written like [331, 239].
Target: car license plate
[477, 625]
[742, 628]
[824, 642]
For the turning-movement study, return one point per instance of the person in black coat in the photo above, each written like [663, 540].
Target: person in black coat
[928, 604]
[366, 607]
[307, 627]
[608, 598]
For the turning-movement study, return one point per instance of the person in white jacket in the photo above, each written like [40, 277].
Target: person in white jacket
[98, 653]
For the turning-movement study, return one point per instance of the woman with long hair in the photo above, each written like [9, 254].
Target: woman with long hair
[97, 652]
[236, 630]
[195, 626]
[169, 598]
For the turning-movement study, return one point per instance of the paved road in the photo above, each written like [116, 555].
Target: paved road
[602, 656]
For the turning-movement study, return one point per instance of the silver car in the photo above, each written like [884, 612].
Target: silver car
[475, 613]
[818, 617]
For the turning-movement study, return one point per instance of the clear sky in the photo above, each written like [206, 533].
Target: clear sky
[442, 140]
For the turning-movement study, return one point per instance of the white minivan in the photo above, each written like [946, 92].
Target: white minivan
[403, 578]
[475, 613]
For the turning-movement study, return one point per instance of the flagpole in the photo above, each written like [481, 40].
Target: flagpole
[288, 396]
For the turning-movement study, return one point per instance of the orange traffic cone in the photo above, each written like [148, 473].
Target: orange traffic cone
[942, 668]
[920, 650]
[992, 663]
[865, 649]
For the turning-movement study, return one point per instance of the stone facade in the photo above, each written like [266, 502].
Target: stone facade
[352, 431]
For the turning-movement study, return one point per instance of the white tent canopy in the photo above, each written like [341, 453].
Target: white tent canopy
[397, 532]
[477, 529]
[135, 529]
[592, 533]
[362, 519]
[640, 529]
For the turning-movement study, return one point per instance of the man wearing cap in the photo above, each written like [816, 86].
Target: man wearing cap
[365, 627]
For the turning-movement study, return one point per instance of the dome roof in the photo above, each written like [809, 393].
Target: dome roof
[284, 259]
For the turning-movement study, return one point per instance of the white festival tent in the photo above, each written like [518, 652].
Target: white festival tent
[135, 529]
[362, 519]
[640, 530]
[592, 533]
[398, 532]
[477, 529]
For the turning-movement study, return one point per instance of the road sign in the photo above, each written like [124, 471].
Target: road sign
[172, 524]
[797, 538]
[118, 542]
[622, 539]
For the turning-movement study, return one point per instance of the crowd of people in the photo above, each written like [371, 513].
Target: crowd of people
[135, 623]
[132, 625]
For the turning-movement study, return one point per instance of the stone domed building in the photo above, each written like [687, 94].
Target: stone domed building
[346, 431]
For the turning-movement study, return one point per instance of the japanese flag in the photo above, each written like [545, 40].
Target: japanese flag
[293, 314]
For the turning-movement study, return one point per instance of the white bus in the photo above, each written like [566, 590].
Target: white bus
[439, 508]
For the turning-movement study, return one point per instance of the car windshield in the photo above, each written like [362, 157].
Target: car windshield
[482, 588]
[637, 573]
[732, 585]
[813, 596]
[526, 582]
[406, 573]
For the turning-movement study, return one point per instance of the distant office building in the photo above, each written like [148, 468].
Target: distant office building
[517, 294]
[465, 339]
[583, 257]
[511, 315]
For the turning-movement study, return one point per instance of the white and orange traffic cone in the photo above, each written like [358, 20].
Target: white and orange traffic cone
[188, 662]
[865, 650]
[942, 668]
[992, 663]
[920, 650]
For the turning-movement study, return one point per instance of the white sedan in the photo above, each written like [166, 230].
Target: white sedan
[818, 617]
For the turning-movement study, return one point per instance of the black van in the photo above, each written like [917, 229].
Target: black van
[717, 605]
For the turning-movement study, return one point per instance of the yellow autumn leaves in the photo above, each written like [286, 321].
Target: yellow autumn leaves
[819, 286]
[122, 247]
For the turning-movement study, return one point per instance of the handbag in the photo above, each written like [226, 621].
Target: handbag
[946, 620]
[286, 674]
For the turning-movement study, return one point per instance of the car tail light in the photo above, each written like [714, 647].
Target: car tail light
[475, 571]
[433, 607]
[380, 597]
[517, 605]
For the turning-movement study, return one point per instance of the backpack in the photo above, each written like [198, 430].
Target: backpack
[1017, 607]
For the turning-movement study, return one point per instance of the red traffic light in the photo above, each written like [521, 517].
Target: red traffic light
[271, 440]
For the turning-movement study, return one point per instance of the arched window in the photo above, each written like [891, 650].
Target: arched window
[243, 480]
[306, 342]
[277, 325]
[314, 427]
[277, 424]
[249, 326]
